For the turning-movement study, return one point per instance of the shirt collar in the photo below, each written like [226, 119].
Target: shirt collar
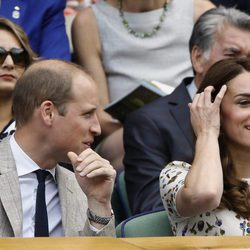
[192, 89]
[24, 164]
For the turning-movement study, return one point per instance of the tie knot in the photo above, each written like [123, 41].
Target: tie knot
[41, 175]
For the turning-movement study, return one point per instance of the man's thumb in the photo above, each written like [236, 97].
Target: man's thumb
[74, 158]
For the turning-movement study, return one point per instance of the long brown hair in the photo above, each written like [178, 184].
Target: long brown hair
[236, 195]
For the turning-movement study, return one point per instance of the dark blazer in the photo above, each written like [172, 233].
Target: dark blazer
[243, 5]
[155, 135]
[44, 23]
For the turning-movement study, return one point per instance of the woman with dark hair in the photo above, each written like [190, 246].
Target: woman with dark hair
[15, 56]
[212, 196]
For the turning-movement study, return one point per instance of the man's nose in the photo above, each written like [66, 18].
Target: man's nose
[96, 127]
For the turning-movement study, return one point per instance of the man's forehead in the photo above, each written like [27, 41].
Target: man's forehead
[82, 80]
[232, 31]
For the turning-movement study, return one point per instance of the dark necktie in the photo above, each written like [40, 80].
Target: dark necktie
[41, 217]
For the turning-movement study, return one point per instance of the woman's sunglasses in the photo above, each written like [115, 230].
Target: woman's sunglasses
[19, 56]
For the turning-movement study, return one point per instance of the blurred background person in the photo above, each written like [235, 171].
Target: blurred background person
[15, 56]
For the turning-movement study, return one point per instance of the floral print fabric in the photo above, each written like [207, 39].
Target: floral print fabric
[218, 222]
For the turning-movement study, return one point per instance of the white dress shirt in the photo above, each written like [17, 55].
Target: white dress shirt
[28, 187]
[192, 89]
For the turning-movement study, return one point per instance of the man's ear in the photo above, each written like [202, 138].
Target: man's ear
[197, 60]
[47, 112]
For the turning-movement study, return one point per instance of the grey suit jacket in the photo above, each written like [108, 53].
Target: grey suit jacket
[72, 200]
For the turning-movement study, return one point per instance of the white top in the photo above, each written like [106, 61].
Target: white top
[218, 222]
[163, 57]
[28, 187]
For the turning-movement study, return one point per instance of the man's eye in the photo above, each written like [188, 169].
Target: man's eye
[232, 53]
[88, 115]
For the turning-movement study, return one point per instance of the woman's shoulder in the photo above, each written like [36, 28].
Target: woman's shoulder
[84, 17]
[84, 31]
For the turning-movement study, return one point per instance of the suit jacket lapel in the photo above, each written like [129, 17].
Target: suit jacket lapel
[179, 109]
[68, 196]
[10, 195]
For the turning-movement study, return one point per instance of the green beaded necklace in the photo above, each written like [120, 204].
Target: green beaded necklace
[143, 34]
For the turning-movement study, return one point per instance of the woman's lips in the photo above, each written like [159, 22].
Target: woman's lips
[7, 77]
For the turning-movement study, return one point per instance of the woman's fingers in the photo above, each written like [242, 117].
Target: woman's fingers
[207, 95]
[220, 95]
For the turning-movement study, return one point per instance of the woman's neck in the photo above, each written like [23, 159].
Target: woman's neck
[138, 6]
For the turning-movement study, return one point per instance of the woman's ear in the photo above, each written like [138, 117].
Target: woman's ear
[47, 112]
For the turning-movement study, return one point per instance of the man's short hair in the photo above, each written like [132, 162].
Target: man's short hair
[41, 82]
[212, 22]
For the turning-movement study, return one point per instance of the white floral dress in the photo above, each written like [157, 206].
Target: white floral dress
[218, 222]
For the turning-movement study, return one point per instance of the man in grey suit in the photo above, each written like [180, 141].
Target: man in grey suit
[161, 132]
[54, 104]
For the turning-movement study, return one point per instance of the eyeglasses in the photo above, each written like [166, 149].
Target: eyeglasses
[19, 56]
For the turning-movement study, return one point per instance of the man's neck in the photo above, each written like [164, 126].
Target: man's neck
[35, 148]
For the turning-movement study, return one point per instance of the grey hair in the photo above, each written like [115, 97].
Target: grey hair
[211, 23]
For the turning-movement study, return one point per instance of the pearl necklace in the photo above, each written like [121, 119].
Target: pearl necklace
[143, 34]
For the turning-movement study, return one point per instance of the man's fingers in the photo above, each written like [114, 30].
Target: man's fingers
[108, 172]
[74, 158]
[92, 166]
[89, 158]
[89, 167]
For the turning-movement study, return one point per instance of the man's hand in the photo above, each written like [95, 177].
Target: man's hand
[96, 178]
[94, 174]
